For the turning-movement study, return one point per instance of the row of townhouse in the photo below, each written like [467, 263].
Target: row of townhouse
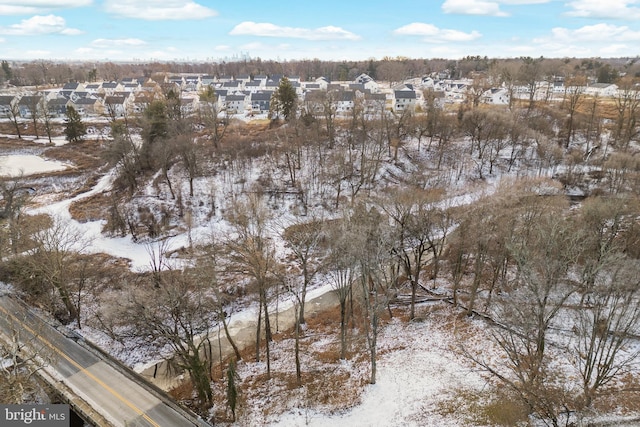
[236, 95]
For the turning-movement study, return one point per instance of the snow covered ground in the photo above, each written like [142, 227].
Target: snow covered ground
[414, 376]
[28, 164]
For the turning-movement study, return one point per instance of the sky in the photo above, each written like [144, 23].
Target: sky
[214, 30]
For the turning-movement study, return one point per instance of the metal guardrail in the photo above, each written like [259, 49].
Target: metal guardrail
[195, 419]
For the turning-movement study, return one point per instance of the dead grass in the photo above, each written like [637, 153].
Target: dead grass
[626, 402]
[326, 384]
[476, 409]
[84, 155]
[90, 208]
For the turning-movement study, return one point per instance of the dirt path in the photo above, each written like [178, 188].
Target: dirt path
[243, 332]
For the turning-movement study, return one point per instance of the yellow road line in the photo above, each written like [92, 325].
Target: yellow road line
[83, 370]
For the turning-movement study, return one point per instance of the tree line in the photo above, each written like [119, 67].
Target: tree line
[383, 207]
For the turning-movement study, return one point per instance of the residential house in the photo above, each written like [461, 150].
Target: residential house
[142, 100]
[224, 79]
[271, 85]
[261, 102]
[374, 103]
[87, 106]
[207, 80]
[177, 80]
[7, 104]
[367, 82]
[345, 102]
[75, 95]
[323, 82]
[57, 107]
[29, 105]
[496, 96]
[404, 100]
[261, 78]
[92, 87]
[191, 84]
[188, 106]
[607, 90]
[221, 94]
[311, 86]
[65, 94]
[234, 104]
[232, 85]
[131, 87]
[116, 106]
[73, 86]
[253, 86]
[108, 88]
[244, 78]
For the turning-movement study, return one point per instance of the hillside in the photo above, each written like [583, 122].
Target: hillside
[488, 269]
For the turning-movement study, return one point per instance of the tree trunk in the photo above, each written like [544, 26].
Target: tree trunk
[343, 328]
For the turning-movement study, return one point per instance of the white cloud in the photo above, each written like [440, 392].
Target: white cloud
[434, 34]
[40, 25]
[104, 43]
[264, 29]
[154, 10]
[606, 34]
[26, 7]
[610, 9]
[472, 7]
[483, 7]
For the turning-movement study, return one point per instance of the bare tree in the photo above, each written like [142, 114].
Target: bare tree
[627, 103]
[47, 269]
[250, 252]
[212, 116]
[14, 115]
[342, 272]
[378, 272]
[416, 220]
[45, 117]
[606, 325]
[22, 355]
[304, 239]
[544, 251]
[573, 99]
[15, 195]
[176, 314]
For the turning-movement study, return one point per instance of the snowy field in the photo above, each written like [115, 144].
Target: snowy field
[28, 164]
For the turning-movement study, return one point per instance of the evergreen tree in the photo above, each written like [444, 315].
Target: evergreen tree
[74, 129]
[284, 100]
[8, 74]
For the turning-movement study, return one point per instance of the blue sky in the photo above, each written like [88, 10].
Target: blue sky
[127, 30]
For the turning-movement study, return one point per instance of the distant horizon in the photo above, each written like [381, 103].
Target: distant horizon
[267, 60]
[197, 31]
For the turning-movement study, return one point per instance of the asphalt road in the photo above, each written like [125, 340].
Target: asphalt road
[116, 397]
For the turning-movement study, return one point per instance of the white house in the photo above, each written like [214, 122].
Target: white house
[496, 96]
[235, 104]
[404, 100]
[368, 82]
[602, 89]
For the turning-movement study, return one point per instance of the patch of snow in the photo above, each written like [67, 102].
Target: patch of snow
[412, 377]
[28, 164]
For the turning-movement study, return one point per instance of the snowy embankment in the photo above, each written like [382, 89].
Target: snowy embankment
[94, 241]
[418, 372]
